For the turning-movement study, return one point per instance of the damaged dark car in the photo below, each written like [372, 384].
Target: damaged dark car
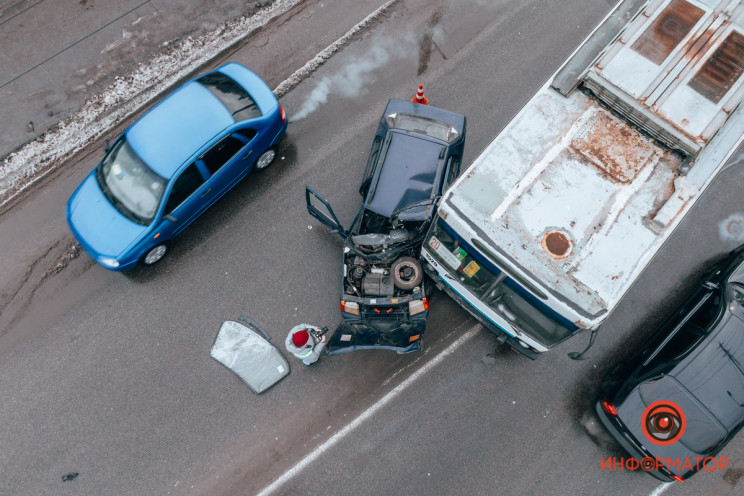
[416, 154]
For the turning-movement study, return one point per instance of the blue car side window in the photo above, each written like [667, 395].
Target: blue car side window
[221, 153]
[188, 182]
[247, 134]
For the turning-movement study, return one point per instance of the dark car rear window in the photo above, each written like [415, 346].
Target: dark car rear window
[423, 125]
[237, 101]
[703, 433]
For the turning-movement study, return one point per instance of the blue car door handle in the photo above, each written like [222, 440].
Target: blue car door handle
[250, 152]
[206, 193]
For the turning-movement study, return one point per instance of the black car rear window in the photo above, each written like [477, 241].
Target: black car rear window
[237, 101]
[423, 125]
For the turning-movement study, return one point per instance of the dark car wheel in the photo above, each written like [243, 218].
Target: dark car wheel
[266, 158]
[155, 254]
[407, 273]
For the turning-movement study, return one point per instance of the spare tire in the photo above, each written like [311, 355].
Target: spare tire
[407, 273]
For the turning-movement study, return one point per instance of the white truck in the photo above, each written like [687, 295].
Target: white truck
[550, 225]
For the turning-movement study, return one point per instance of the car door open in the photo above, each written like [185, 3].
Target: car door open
[319, 208]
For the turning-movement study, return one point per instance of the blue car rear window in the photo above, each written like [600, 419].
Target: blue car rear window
[233, 96]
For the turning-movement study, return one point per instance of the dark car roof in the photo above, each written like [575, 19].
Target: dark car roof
[407, 174]
[715, 373]
[706, 385]
[412, 160]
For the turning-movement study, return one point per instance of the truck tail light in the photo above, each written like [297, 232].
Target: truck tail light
[351, 307]
[418, 306]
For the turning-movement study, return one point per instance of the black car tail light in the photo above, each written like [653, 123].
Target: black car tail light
[609, 408]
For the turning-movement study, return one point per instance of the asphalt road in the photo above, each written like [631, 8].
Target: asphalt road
[109, 375]
[57, 53]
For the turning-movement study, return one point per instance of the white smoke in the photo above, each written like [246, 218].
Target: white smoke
[353, 80]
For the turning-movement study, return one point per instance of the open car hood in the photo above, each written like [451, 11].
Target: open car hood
[251, 357]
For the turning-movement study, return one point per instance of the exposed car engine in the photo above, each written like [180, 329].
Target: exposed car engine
[401, 277]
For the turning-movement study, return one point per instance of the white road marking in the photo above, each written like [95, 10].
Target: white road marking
[312, 64]
[333, 440]
[661, 489]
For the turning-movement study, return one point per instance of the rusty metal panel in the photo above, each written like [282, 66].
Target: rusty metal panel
[613, 147]
[666, 32]
[684, 69]
[722, 69]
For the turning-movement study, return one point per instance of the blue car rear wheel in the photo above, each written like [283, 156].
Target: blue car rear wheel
[155, 254]
[266, 158]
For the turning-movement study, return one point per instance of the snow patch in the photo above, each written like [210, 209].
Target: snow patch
[23, 168]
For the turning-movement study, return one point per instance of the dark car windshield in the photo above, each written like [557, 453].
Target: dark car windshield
[736, 300]
[129, 184]
[237, 101]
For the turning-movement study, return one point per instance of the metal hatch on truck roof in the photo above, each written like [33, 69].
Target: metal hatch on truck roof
[683, 60]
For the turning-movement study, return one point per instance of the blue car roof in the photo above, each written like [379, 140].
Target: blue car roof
[177, 127]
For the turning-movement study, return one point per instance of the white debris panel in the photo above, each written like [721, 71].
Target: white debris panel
[251, 357]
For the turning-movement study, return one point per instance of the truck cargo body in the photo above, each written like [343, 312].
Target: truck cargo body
[550, 225]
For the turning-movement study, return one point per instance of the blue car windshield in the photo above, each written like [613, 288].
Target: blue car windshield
[129, 184]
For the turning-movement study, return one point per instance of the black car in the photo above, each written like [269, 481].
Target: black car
[416, 154]
[677, 402]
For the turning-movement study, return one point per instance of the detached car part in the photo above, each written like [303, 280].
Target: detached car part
[242, 349]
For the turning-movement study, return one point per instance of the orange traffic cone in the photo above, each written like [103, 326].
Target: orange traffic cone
[420, 98]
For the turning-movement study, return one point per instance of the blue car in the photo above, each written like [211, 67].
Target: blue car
[173, 163]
